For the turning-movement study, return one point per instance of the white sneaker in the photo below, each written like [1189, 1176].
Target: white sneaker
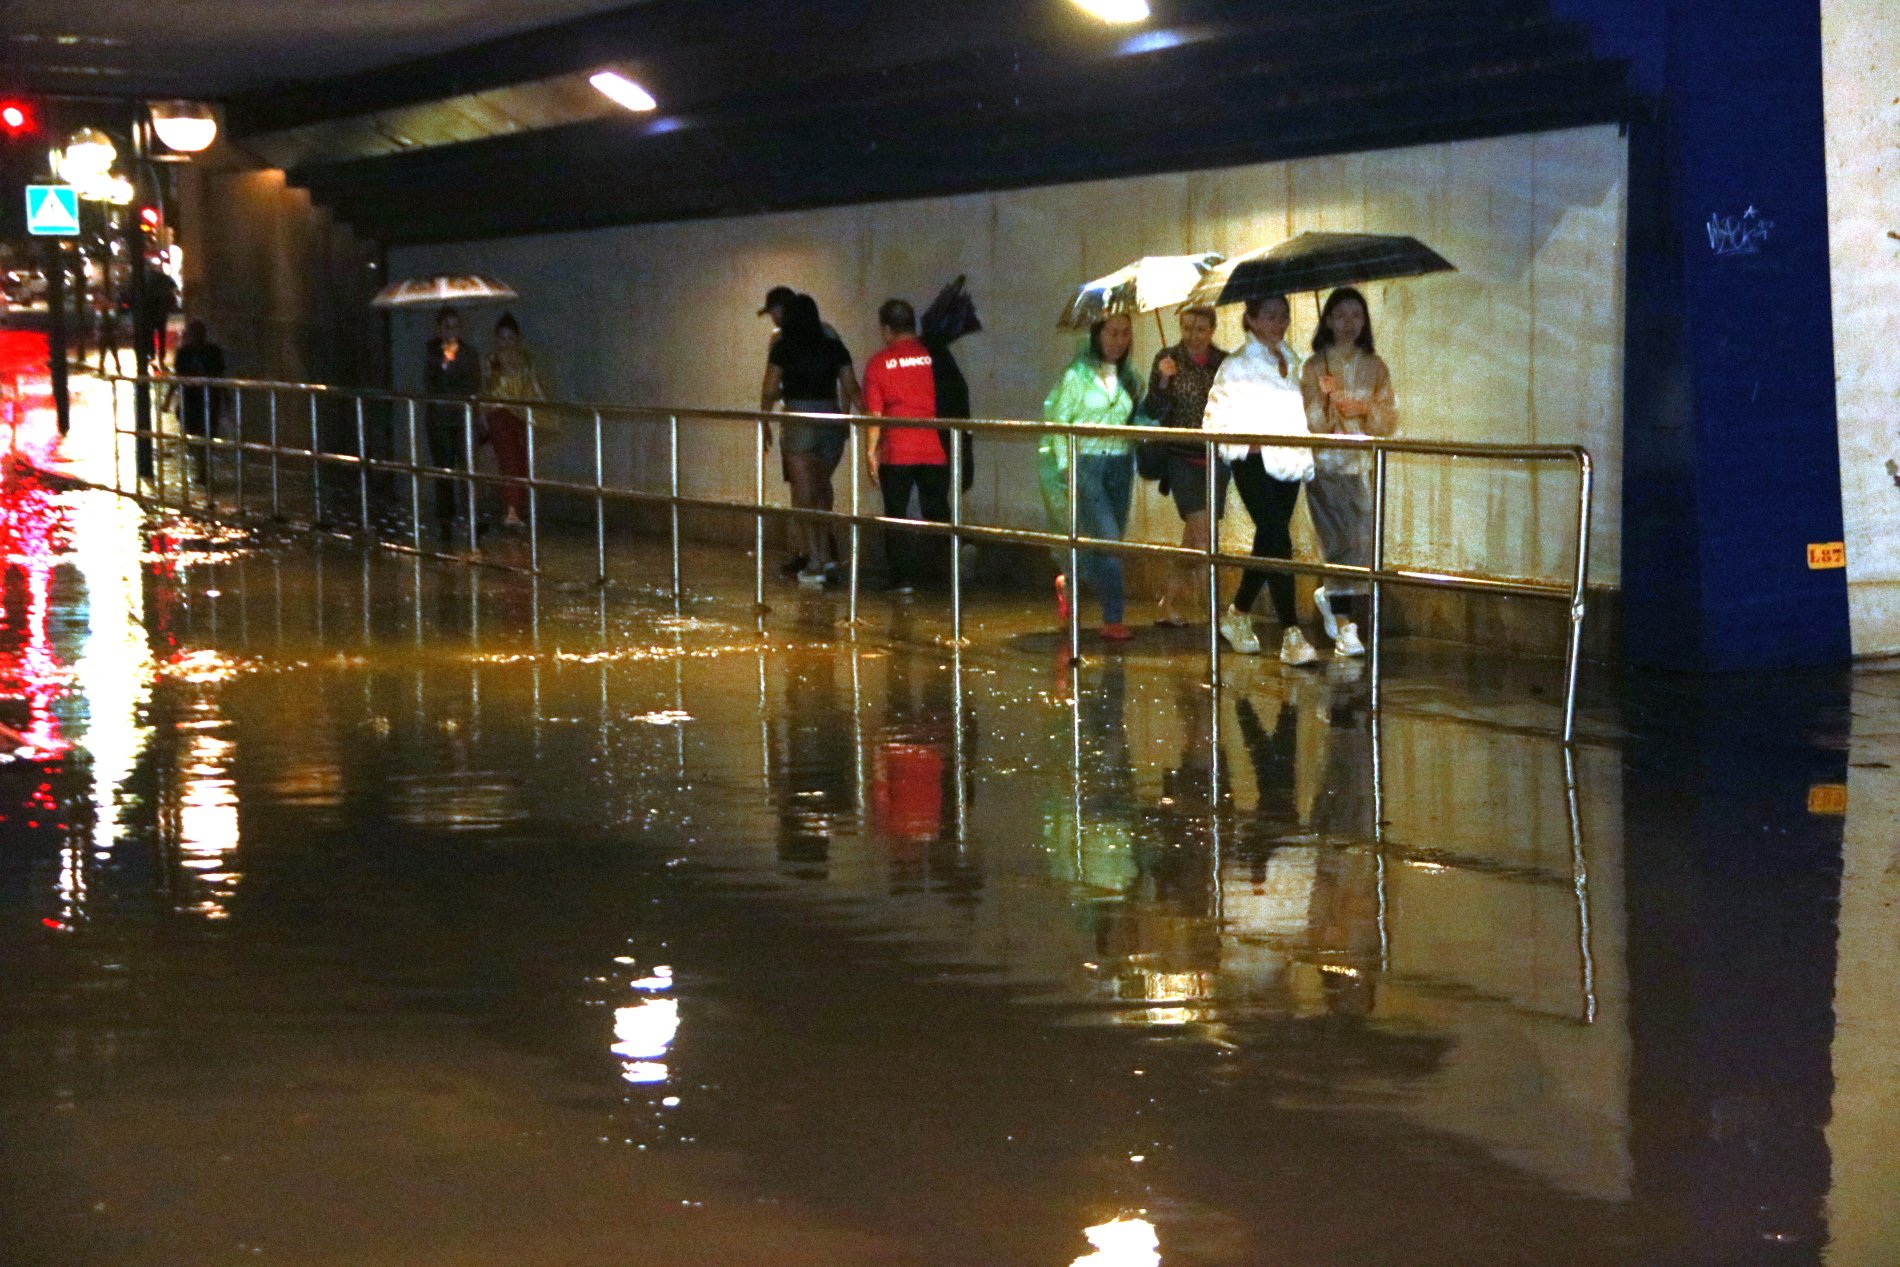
[1347, 642]
[812, 579]
[1295, 649]
[1237, 628]
[1326, 618]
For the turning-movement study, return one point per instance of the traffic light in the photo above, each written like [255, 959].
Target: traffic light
[19, 119]
[148, 216]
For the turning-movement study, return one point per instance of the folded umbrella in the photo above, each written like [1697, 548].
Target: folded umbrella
[443, 288]
[1149, 284]
[951, 315]
[1317, 261]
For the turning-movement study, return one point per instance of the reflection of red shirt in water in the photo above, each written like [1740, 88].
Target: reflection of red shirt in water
[908, 793]
[900, 382]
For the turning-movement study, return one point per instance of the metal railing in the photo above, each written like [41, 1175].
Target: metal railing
[406, 408]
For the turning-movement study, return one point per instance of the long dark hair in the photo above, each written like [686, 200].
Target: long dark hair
[802, 329]
[1124, 370]
[1259, 302]
[1323, 337]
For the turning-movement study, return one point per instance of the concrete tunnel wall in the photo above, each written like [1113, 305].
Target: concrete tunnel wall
[1861, 48]
[1524, 343]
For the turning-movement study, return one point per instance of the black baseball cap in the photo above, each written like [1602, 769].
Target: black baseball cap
[777, 297]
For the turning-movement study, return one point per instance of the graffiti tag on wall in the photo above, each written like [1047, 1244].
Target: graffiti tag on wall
[1739, 235]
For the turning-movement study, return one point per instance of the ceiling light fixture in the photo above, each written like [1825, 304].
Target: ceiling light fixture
[622, 91]
[185, 126]
[1115, 11]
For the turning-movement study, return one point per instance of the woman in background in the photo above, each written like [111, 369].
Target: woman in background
[1348, 391]
[1258, 391]
[511, 374]
[1177, 397]
[809, 372]
[1098, 389]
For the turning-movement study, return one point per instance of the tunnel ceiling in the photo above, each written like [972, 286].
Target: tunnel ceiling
[779, 106]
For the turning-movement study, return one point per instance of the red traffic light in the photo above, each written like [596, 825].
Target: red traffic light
[148, 216]
[17, 118]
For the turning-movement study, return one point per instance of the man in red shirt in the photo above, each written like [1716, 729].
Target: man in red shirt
[899, 382]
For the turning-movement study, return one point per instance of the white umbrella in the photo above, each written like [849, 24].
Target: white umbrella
[443, 288]
[1149, 284]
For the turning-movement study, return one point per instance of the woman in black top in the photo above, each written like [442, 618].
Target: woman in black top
[809, 371]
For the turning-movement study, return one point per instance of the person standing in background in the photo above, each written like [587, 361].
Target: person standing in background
[452, 370]
[900, 382]
[511, 375]
[199, 405]
[1258, 390]
[1177, 397]
[809, 371]
[1348, 391]
[1098, 389]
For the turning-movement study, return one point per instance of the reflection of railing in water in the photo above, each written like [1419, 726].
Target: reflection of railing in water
[1219, 810]
[362, 461]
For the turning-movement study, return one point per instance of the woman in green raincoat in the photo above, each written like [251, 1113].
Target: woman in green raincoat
[1099, 388]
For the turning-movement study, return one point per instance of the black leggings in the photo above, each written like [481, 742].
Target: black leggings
[1270, 504]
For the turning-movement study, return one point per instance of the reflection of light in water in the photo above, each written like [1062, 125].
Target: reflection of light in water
[644, 1031]
[1125, 1242]
[665, 717]
[114, 669]
[208, 815]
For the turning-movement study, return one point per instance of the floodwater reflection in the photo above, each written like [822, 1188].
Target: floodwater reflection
[598, 926]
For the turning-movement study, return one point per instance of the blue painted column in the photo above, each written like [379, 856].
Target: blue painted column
[1731, 457]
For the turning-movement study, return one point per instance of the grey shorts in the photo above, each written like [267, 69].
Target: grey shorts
[826, 440]
[1187, 482]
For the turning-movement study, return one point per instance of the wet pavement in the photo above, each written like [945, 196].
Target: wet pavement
[361, 909]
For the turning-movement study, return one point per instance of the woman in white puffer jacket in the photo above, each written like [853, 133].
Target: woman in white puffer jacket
[1258, 390]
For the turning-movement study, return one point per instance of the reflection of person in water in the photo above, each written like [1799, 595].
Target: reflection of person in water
[918, 793]
[1316, 902]
[813, 777]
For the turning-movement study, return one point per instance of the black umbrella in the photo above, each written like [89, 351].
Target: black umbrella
[1318, 261]
[951, 315]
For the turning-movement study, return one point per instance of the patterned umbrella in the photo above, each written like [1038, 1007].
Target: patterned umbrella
[1149, 284]
[1317, 261]
[442, 288]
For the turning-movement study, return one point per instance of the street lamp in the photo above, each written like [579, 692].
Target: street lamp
[185, 126]
[88, 157]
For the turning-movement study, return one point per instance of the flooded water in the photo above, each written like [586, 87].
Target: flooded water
[359, 911]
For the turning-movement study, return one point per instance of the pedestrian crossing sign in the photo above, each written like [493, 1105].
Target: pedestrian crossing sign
[52, 211]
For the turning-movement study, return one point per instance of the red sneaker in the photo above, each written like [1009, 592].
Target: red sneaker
[1117, 633]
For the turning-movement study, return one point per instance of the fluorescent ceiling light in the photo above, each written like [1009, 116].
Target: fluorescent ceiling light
[622, 91]
[1118, 11]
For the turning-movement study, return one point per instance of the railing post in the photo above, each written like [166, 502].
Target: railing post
[1075, 566]
[316, 468]
[673, 491]
[154, 439]
[956, 538]
[758, 524]
[468, 474]
[237, 436]
[415, 483]
[1375, 604]
[1573, 656]
[362, 470]
[600, 505]
[855, 458]
[276, 495]
[534, 509]
[1213, 577]
[118, 435]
